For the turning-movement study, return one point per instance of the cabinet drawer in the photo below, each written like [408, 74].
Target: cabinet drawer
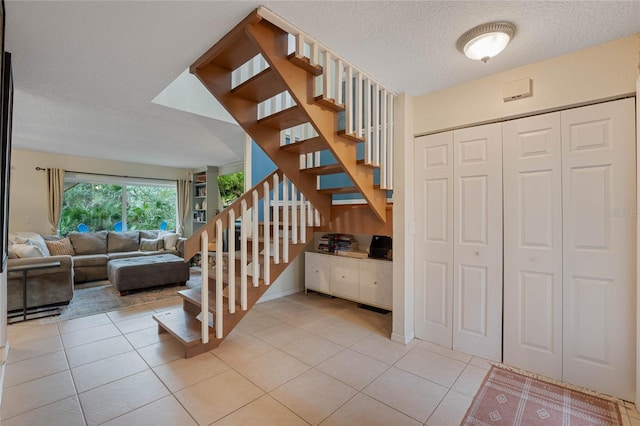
[376, 283]
[344, 277]
[317, 273]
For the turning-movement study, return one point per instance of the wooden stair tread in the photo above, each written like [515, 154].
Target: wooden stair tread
[194, 296]
[260, 87]
[350, 136]
[341, 190]
[327, 169]
[306, 146]
[329, 103]
[285, 119]
[182, 325]
[362, 163]
[305, 64]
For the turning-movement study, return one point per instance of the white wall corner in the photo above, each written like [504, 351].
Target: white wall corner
[403, 338]
[403, 213]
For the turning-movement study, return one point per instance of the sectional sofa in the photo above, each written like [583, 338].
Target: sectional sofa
[83, 256]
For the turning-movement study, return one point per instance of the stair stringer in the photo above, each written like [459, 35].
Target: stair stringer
[272, 44]
[218, 81]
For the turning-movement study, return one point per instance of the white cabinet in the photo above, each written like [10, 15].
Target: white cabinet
[368, 281]
[317, 273]
[374, 279]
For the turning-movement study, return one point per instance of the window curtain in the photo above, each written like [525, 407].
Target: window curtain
[55, 191]
[183, 191]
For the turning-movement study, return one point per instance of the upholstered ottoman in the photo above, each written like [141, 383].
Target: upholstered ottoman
[147, 271]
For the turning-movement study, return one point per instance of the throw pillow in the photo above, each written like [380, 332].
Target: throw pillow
[33, 239]
[61, 247]
[26, 250]
[147, 244]
[170, 239]
[11, 254]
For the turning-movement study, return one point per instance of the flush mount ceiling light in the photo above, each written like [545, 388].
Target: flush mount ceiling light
[485, 41]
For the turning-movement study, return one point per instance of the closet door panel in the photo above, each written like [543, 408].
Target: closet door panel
[434, 238]
[533, 244]
[477, 313]
[599, 190]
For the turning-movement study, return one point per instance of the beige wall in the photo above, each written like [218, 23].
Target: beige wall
[28, 203]
[597, 73]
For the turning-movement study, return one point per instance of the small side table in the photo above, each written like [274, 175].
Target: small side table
[24, 269]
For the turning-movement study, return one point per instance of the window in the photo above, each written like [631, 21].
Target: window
[231, 187]
[108, 203]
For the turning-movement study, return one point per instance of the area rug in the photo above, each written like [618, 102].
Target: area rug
[509, 398]
[102, 296]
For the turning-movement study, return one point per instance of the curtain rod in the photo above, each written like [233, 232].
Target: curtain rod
[106, 174]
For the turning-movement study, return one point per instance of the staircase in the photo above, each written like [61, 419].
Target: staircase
[315, 116]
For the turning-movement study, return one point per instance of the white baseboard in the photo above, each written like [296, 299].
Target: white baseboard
[403, 338]
[270, 296]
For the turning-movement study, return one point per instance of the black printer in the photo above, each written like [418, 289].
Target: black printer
[380, 247]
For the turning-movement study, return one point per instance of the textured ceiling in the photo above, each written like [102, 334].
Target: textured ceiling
[85, 72]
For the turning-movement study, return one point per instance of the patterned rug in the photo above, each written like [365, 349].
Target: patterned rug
[101, 296]
[510, 398]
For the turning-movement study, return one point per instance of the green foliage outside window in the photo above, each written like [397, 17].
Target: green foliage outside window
[99, 206]
[231, 187]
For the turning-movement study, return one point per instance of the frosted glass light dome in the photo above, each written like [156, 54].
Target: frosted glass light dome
[485, 41]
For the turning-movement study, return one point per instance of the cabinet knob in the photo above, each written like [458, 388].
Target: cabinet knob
[343, 277]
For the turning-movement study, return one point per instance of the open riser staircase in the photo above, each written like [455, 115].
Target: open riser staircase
[275, 222]
[315, 115]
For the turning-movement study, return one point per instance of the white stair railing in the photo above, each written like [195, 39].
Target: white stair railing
[279, 198]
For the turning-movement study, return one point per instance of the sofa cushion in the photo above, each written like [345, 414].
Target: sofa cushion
[89, 242]
[118, 242]
[29, 238]
[125, 254]
[149, 234]
[90, 260]
[170, 239]
[151, 245]
[26, 250]
[60, 247]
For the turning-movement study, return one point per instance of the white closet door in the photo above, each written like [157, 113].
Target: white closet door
[533, 244]
[477, 288]
[599, 189]
[434, 238]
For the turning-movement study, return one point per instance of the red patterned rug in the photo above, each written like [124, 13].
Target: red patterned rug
[510, 398]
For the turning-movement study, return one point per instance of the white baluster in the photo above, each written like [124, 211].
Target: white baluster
[383, 145]
[219, 279]
[285, 219]
[266, 225]
[338, 81]
[367, 122]
[376, 125]
[348, 102]
[231, 260]
[358, 105]
[276, 219]
[317, 218]
[204, 275]
[255, 232]
[314, 54]
[262, 110]
[299, 46]
[303, 219]
[244, 229]
[294, 214]
[326, 76]
[283, 137]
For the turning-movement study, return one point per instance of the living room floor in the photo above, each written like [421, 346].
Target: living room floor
[297, 360]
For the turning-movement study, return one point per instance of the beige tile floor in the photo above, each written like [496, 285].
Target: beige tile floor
[298, 360]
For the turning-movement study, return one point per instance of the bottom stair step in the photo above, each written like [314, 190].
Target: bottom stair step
[184, 327]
